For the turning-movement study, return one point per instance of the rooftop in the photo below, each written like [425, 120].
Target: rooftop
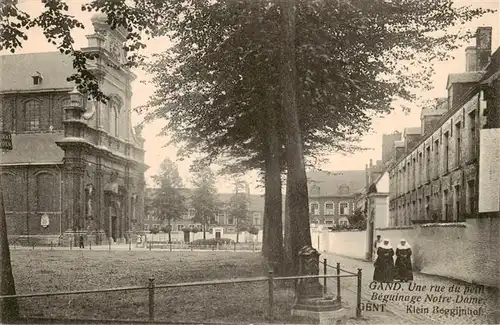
[39, 148]
[330, 183]
[17, 70]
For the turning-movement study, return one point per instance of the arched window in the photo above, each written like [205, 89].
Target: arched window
[114, 107]
[315, 190]
[32, 110]
[344, 189]
[47, 192]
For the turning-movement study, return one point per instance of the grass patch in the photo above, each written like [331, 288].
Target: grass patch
[50, 271]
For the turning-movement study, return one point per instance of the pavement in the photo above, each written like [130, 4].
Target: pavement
[398, 312]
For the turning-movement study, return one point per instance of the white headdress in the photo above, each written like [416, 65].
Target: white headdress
[384, 245]
[405, 246]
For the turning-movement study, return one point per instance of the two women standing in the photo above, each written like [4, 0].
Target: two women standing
[386, 270]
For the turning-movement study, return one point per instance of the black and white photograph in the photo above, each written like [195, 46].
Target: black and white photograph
[250, 162]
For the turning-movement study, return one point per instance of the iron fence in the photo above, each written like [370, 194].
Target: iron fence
[151, 287]
[253, 247]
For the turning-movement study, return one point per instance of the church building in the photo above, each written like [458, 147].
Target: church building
[77, 166]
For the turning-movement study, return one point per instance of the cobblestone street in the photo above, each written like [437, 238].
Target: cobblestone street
[396, 312]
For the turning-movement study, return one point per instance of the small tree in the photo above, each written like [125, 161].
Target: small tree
[204, 196]
[238, 209]
[168, 200]
[357, 220]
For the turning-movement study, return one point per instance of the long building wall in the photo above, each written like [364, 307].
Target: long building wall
[438, 179]
[465, 251]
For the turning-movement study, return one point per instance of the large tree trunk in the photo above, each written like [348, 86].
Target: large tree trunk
[288, 254]
[9, 307]
[297, 182]
[273, 210]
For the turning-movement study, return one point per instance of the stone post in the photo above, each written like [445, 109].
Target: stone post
[311, 305]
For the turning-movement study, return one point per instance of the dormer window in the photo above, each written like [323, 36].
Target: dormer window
[37, 78]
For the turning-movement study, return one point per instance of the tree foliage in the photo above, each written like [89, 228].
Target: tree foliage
[168, 201]
[204, 197]
[357, 220]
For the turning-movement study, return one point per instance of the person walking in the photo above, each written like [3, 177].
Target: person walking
[81, 242]
[403, 265]
[376, 243]
[384, 264]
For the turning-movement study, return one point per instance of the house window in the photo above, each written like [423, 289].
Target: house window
[458, 143]
[457, 211]
[471, 199]
[156, 225]
[427, 207]
[191, 212]
[446, 147]
[329, 208]
[329, 222]
[420, 167]
[343, 222]
[230, 220]
[179, 227]
[343, 208]
[472, 135]
[32, 110]
[436, 157]
[445, 205]
[414, 176]
[146, 227]
[37, 79]
[314, 208]
[428, 164]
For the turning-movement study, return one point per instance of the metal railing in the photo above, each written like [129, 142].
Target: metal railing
[253, 247]
[270, 279]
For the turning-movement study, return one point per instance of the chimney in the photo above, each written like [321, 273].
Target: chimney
[470, 59]
[371, 163]
[483, 47]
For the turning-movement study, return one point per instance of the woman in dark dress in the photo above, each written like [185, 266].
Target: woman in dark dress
[403, 262]
[384, 264]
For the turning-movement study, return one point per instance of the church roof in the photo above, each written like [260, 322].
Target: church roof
[34, 148]
[329, 183]
[16, 71]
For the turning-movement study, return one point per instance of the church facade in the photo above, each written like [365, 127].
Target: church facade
[77, 166]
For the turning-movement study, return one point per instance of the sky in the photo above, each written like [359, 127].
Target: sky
[154, 145]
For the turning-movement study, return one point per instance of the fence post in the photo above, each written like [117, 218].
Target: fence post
[170, 246]
[271, 295]
[217, 245]
[191, 244]
[129, 244]
[150, 243]
[235, 247]
[338, 282]
[151, 290]
[109, 244]
[33, 243]
[253, 248]
[324, 279]
[70, 244]
[50, 245]
[90, 245]
[358, 298]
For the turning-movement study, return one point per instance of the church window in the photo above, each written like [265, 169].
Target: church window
[32, 110]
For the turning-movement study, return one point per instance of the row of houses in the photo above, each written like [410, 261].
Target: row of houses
[430, 173]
